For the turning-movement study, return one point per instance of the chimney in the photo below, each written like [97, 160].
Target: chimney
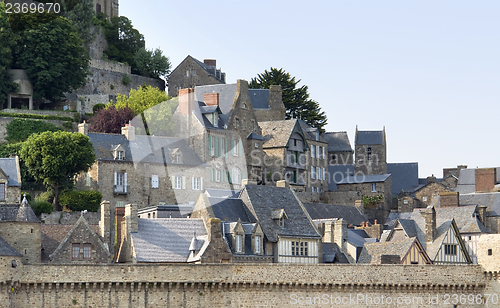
[83, 128]
[246, 182]
[340, 234]
[482, 213]
[431, 179]
[210, 62]
[485, 179]
[131, 217]
[327, 229]
[241, 86]
[214, 229]
[129, 132]
[211, 99]
[430, 223]
[105, 222]
[449, 199]
[186, 101]
[119, 226]
[282, 183]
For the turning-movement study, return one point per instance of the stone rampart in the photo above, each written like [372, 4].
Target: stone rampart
[239, 285]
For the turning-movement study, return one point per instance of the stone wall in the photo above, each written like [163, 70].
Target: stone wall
[425, 195]
[234, 285]
[110, 66]
[24, 237]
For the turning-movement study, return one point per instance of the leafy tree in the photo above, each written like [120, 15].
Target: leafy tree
[123, 41]
[152, 63]
[158, 119]
[82, 14]
[141, 99]
[295, 98]
[7, 39]
[56, 157]
[20, 129]
[54, 58]
[110, 120]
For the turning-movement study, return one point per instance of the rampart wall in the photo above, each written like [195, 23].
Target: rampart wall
[243, 285]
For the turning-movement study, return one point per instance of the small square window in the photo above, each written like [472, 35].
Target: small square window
[405, 201]
[374, 187]
[490, 252]
[424, 199]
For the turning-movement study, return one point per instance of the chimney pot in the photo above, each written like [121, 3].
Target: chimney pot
[210, 62]
[186, 101]
[211, 99]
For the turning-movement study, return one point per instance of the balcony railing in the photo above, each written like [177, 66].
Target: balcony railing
[121, 189]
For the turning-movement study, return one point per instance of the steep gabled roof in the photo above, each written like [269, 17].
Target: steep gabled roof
[230, 210]
[491, 200]
[358, 179]
[277, 133]
[261, 201]
[7, 250]
[18, 212]
[338, 142]
[166, 239]
[10, 168]
[404, 177]
[372, 252]
[369, 137]
[332, 254]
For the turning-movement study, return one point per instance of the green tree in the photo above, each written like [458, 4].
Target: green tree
[20, 129]
[82, 14]
[123, 41]
[141, 99]
[7, 41]
[56, 157]
[295, 98]
[152, 63]
[54, 58]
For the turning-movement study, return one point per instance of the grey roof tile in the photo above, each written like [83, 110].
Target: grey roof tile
[166, 239]
[230, 210]
[9, 167]
[374, 178]
[370, 137]
[338, 142]
[7, 250]
[338, 173]
[372, 252]
[277, 133]
[490, 200]
[259, 98]
[404, 177]
[332, 253]
[350, 214]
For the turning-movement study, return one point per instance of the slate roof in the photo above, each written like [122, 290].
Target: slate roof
[350, 214]
[338, 142]
[9, 167]
[248, 227]
[230, 210]
[310, 133]
[358, 239]
[259, 98]
[466, 181]
[222, 193]
[255, 136]
[374, 178]
[227, 94]
[331, 251]
[7, 250]
[277, 133]
[166, 239]
[369, 137]
[145, 149]
[372, 252]
[491, 200]
[264, 199]
[338, 173]
[404, 177]
[212, 70]
[17, 212]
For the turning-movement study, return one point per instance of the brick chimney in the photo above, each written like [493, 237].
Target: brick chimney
[129, 132]
[485, 179]
[186, 101]
[105, 222]
[449, 199]
[430, 223]
[83, 128]
[210, 62]
[211, 99]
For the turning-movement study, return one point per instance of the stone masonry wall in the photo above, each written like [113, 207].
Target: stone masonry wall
[245, 285]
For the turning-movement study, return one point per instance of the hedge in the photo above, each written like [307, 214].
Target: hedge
[39, 116]
[40, 207]
[77, 200]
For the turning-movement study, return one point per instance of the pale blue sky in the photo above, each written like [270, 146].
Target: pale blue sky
[429, 71]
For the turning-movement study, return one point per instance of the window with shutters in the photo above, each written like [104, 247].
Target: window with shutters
[318, 153]
[87, 251]
[196, 183]
[178, 182]
[120, 185]
[313, 172]
[318, 173]
[155, 182]
[257, 244]
[236, 175]
[75, 251]
[234, 145]
[239, 243]
[2, 191]
[313, 152]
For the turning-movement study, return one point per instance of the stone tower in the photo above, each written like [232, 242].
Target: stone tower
[108, 7]
[370, 152]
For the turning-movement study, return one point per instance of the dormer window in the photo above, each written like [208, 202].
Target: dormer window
[176, 156]
[119, 153]
[215, 119]
[257, 244]
[239, 243]
[279, 217]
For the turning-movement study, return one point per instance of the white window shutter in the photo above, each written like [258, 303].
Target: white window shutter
[116, 180]
[201, 183]
[125, 182]
[241, 148]
[154, 181]
[318, 154]
[172, 179]
[183, 182]
[192, 183]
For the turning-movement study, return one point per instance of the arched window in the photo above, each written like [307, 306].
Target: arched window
[98, 8]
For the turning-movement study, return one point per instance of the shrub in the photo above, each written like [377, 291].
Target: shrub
[126, 79]
[35, 116]
[20, 129]
[40, 207]
[98, 106]
[80, 200]
[45, 196]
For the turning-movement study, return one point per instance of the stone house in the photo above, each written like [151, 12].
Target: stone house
[439, 235]
[407, 251]
[108, 7]
[82, 245]
[171, 240]
[370, 152]
[264, 224]
[20, 229]
[10, 180]
[425, 195]
[295, 152]
[192, 72]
